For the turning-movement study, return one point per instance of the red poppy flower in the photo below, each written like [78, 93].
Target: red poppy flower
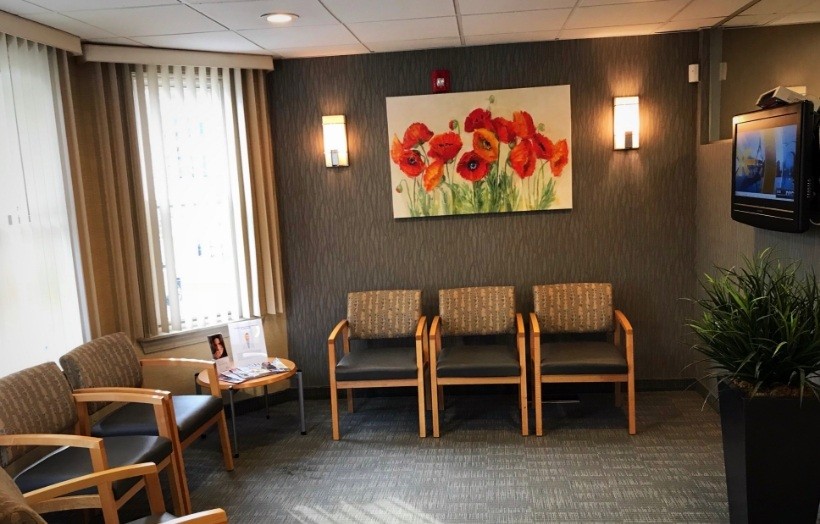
[477, 119]
[543, 146]
[559, 158]
[504, 130]
[416, 135]
[472, 167]
[411, 163]
[485, 145]
[522, 122]
[522, 159]
[396, 150]
[433, 175]
[445, 146]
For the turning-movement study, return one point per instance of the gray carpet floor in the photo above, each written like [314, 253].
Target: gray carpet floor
[586, 467]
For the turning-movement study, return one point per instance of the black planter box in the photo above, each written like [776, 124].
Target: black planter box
[771, 449]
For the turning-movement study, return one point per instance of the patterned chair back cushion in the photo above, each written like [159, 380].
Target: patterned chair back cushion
[383, 314]
[13, 507]
[34, 400]
[108, 361]
[477, 310]
[573, 308]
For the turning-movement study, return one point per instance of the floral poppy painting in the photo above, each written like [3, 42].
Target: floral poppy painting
[498, 151]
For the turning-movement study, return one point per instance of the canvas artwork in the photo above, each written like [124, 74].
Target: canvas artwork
[500, 151]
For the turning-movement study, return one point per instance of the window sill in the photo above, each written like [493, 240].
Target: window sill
[180, 339]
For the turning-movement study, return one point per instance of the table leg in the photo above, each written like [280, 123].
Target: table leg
[301, 400]
[267, 411]
[233, 425]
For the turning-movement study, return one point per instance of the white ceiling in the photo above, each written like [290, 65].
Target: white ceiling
[340, 27]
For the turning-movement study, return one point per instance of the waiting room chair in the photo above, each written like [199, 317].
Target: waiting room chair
[472, 344]
[19, 508]
[389, 348]
[37, 408]
[111, 362]
[570, 342]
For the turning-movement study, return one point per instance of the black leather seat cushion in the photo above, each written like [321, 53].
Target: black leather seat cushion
[67, 463]
[581, 358]
[373, 363]
[191, 411]
[489, 360]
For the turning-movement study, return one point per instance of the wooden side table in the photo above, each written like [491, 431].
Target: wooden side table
[202, 380]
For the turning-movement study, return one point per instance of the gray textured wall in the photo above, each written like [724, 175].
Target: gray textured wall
[758, 59]
[633, 221]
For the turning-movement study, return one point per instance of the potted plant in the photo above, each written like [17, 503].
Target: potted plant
[759, 329]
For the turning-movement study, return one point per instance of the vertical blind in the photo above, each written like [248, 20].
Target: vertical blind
[195, 185]
[41, 312]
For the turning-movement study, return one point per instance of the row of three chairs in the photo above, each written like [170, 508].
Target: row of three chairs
[44, 406]
[477, 339]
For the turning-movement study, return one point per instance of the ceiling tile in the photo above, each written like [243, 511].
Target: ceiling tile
[64, 6]
[118, 40]
[510, 23]
[19, 7]
[532, 36]
[69, 25]
[631, 14]
[309, 52]
[749, 20]
[298, 37]
[248, 15]
[798, 18]
[812, 6]
[710, 8]
[588, 3]
[474, 7]
[222, 41]
[409, 45]
[770, 7]
[148, 21]
[604, 32]
[379, 10]
[414, 29]
[690, 25]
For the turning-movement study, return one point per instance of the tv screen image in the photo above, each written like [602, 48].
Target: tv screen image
[764, 162]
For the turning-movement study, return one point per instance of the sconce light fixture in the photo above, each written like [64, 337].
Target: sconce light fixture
[626, 122]
[335, 138]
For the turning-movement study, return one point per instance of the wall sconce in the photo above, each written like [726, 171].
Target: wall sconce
[626, 122]
[335, 138]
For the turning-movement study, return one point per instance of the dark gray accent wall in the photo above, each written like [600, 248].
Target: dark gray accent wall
[632, 224]
[759, 59]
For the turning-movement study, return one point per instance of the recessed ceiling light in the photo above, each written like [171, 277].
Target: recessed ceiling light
[280, 18]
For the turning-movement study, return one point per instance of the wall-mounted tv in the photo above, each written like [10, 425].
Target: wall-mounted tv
[773, 167]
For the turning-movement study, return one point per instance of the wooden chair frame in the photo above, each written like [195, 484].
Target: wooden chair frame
[105, 498]
[342, 330]
[622, 339]
[437, 383]
[42, 499]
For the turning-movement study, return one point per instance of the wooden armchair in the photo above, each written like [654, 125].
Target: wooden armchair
[569, 342]
[37, 408]
[111, 362]
[477, 323]
[389, 348]
[19, 508]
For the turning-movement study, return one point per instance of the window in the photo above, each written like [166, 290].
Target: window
[41, 316]
[194, 179]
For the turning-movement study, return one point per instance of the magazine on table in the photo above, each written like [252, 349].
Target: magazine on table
[251, 371]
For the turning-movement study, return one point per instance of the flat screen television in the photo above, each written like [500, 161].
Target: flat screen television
[773, 167]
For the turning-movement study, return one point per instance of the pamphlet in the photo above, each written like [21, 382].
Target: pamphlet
[240, 374]
[247, 342]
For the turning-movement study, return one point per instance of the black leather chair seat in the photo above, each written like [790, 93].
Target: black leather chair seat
[191, 411]
[69, 462]
[581, 358]
[373, 363]
[478, 361]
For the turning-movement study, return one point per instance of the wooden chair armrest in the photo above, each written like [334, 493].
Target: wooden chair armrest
[51, 439]
[89, 480]
[192, 363]
[620, 318]
[627, 343]
[435, 341]
[519, 340]
[211, 516]
[138, 395]
[422, 341]
[340, 328]
[535, 341]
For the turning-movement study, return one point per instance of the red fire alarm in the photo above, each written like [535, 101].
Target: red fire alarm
[440, 80]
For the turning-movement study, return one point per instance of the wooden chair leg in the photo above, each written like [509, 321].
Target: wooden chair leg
[522, 400]
[441, 398]
[422, 412]
[630, 392]
[334, 412]
[225, 442]
[350, 400]
[538, 412]
[619, 401]
[428, 396]
[180, 497]
[434, 393]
